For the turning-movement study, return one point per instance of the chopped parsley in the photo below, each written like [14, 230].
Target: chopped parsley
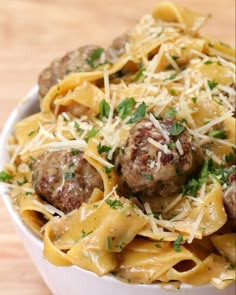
[158, 245]
[69, 175]
[108, 170]
[229, 157]
[32, 133]
[176, 245]
[20, 183]
[108, 243]
[176, 129]
[114, 203]
[212, 84]
[104, 109]
[174, 57]
[77, 127]
[4, 176]
[125, 107]
[30, 165]
[218, 133]
[194, 99]
[84, 234]
[139, 74]
[208, 62]
[171, 145]
[91, 134]
[75, 152]
[173, 91]
[96, 54]
[171, 77]
[138, 114]
[170, 113]
[103, 149]
[148, 177]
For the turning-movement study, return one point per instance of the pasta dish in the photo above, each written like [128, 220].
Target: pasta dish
[128, 168]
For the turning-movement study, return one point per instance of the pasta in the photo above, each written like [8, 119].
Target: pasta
[166, 73]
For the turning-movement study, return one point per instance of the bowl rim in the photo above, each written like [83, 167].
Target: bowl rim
[8, 128]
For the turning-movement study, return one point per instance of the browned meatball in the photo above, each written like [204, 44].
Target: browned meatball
[151, 169]
[74, 61]
[65, 179]
[230, 197]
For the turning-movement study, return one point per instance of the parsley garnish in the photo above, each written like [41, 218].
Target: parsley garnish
[158, 245]
[171, 77]
[173, 91]
[171, 145]
[108, 243]
[138, 114]
[69, 175]
[77, 128]
[32, 133]
[84, 234]
[212, 84]
[125, 107]
[148, 176]
[75, 152]
[176, 129]
[218, 133]
[108, 170]
[94, 56]
[229, 157]
[174, 57]
[104, 109]
[103, 148]
[114, 203]
[179, 240]
[20, 183]
[139, 74]
[171, 113]
[4, 176]
[208, 62]
[194, 99]
[91, 134]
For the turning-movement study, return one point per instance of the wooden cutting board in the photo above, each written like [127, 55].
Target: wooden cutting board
[32, 33]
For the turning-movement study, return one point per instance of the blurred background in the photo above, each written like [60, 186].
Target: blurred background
[32, 33]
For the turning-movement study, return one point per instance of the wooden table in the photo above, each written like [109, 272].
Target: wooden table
[32, 33]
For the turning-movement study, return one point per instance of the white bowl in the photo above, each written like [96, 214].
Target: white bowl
[73, 280]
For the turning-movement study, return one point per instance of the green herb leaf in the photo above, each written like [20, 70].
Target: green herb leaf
[138, 114]
[191, 188]
[103, 148]
[171, 77]
[229, 157]
[158, 245]
[173, 91]
[91, 134]
[77, 127]
[94, 56]
[75, 152]
[108, 170]
[218, 133]
[114, 203]
[148, 177]
[176, 245]
[108, 243]
[20, 183]
[104, 109]
[171, 113]
[139, 74]
[69, 175]
[174, 57]
[125, 107]
[171, 145]
[212, 84]
[4, 176]
[176, 129]
[194, 99]
[208, 62]
[84, 234]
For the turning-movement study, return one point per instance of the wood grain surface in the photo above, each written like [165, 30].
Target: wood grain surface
[32, 33]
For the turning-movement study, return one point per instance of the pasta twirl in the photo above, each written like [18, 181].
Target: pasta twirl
[139, 179]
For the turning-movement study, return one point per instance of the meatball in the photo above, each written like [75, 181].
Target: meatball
[230, 197]
[154, 162]
[65, 179]
[74, 61]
